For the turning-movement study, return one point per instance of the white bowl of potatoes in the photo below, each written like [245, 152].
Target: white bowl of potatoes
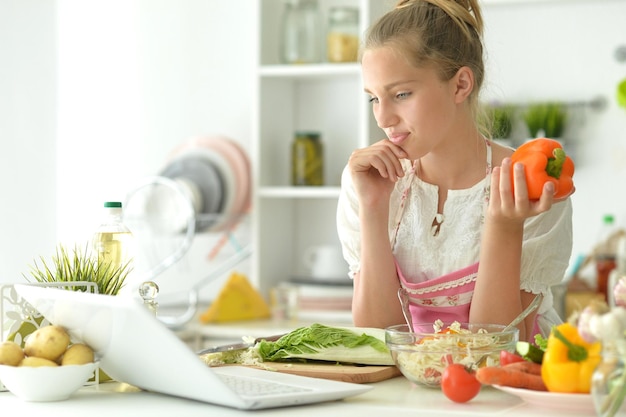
[48, 368]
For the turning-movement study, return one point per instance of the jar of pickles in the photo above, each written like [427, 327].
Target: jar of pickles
[342, 38]
[307, 159]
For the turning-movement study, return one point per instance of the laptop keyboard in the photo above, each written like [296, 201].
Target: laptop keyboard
[253, 387]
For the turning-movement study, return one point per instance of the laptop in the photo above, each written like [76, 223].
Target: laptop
[134, 347]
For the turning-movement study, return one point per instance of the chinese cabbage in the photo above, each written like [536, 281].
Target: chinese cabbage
[318, 342]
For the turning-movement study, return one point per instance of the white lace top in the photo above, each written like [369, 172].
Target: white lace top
[422, 256]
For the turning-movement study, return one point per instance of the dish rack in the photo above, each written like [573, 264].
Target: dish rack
[165, 237]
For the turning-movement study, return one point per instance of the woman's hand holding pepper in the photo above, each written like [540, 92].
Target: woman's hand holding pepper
[542, 175]
[511, 206]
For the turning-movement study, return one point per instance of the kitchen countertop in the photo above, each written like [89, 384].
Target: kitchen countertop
[396, 397]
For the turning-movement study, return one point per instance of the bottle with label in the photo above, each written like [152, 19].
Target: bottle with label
[605, 253]
[301, 38]
[307, 159]
[113, 241]
[342, 38]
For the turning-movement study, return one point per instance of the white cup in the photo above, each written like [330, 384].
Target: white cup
[325, 262]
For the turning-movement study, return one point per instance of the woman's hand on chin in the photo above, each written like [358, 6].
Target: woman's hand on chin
[376, 168]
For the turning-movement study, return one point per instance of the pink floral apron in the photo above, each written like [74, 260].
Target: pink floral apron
[447, 297]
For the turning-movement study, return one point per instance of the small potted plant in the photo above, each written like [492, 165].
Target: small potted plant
[502, 122]
[499, 122]
[546, 119]
[80, 265]
[69, 269]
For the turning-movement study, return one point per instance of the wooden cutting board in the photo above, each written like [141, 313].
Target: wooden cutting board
[346, 373]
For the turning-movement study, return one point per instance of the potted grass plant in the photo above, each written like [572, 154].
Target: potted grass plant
[79, 265]
[546, 119]
[72, 269]
[502, 122]
[499, 122]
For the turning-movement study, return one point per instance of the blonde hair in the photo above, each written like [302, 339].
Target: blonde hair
[444, 34]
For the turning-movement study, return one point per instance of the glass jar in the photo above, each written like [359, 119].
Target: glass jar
[608, 384]
[342, 38]
[301, 39]
[307, 159]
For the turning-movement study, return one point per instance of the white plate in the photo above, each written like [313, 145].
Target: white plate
[238, 160]
[554, 400]
[233, 172]
[201, 172]
[190, 149]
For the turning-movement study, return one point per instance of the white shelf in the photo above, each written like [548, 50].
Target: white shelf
[310, 71]
[325, 97]
[299, 192]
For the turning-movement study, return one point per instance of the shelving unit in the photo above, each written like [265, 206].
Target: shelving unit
[324, 97]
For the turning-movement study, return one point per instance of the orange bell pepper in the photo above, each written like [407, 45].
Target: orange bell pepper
[545, 160]
[569, 361]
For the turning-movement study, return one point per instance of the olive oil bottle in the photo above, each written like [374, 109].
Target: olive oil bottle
[113, 241]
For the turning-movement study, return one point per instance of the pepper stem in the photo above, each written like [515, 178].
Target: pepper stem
[555, 165]
[576, 353]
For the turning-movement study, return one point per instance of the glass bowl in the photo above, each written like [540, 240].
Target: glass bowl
[422, 355]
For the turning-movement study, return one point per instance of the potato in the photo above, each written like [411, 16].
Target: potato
[34, 361]
[48, 342]
[77, 354]
[11, 353]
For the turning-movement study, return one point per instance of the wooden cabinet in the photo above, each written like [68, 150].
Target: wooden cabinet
[325, 97]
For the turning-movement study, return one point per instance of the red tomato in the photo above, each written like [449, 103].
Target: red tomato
[458, 384]
[507, 357]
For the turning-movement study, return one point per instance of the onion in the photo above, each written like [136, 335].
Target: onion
[587, 322]
[608, 326]
[619, 292]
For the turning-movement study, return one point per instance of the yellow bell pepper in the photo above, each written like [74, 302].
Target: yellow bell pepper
[569, 361]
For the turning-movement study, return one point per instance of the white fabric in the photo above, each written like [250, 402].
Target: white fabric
[547, 241]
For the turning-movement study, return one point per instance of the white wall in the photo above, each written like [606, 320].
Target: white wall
[28, 94]
[565, 51]
[137, 78]
[134, 78]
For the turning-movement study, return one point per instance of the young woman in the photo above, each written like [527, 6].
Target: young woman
[431, 208]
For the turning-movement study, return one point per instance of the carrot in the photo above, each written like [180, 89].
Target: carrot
[525, 366]
[510, 377]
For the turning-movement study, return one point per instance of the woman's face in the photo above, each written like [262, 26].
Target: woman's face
[412, 105]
